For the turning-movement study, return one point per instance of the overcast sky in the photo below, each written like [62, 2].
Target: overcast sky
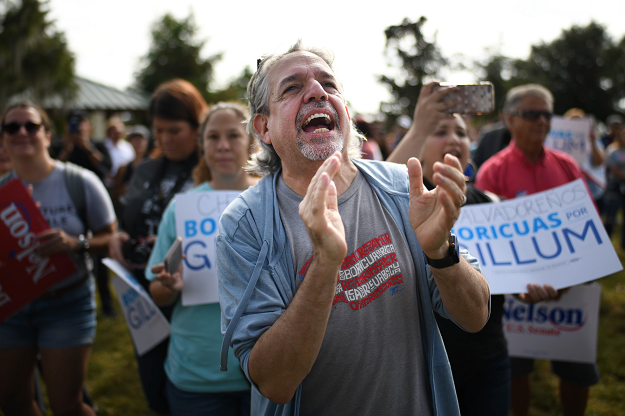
[109, 36]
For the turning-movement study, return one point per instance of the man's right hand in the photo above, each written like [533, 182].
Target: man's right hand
[286, 352]
[320, 214]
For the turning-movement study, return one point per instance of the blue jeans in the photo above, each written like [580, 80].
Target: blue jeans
[65, 321]
[230, 403]
[485, 391]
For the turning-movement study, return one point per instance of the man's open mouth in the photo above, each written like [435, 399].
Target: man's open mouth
[318, 123]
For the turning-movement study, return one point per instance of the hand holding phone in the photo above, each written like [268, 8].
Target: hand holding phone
[173, 258]
[474, 98]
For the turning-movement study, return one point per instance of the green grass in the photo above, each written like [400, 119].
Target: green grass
[113, 381]
[112, 378]
[607, 398]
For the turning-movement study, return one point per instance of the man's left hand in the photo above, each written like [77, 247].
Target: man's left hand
[433, 213]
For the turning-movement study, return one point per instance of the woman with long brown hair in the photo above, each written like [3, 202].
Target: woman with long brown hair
[176, 110]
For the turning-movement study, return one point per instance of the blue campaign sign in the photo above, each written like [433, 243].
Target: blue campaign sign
[553, 237]
[197, 218]
[570, 136]
[147, 325]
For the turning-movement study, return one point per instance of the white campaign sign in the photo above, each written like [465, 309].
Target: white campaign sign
[563, 330]
[553, 237]
[148, 326]
[197, 216]
[570, 136]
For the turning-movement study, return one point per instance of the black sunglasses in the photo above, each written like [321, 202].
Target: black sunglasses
[533, 115]
[14, 127]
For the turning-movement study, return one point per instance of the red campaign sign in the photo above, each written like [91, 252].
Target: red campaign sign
[24, 275]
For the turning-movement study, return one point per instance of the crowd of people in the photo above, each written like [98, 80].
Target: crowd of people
[341, 287]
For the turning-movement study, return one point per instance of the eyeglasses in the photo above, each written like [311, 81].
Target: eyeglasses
[13, 128]
[533, 115]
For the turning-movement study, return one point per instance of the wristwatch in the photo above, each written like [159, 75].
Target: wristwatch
[84, 243]
[451, 258]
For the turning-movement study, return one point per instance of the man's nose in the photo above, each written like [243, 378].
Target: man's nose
[315, 91]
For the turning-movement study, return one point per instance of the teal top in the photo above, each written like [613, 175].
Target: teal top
[192, 362]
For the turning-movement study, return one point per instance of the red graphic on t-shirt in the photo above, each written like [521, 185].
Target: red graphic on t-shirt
[366, 273]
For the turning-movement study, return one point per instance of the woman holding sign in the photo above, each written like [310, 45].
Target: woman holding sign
[59, 326]
[195, 385]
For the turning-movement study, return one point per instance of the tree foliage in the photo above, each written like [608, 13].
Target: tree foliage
[236, 89]
[416, 58]
[34, 57]
[582, 68]
[175, 52]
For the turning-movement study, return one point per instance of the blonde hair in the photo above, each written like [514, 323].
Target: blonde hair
[202, 173]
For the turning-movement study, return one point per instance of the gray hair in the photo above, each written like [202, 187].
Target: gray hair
[266, 160]
[516, 95]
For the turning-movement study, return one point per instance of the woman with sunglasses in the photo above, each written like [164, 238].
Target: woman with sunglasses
[60, 325]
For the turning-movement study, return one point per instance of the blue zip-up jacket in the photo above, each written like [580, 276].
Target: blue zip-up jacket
[257, 282]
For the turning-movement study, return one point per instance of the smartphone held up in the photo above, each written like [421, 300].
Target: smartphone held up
[173, 258]
[476, 98]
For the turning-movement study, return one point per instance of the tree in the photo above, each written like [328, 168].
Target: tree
[236, 89]
[175, 53]
[417, 60]
[34, 58]
[582, 68]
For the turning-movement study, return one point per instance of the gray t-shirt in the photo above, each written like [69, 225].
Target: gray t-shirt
[59, 211]
[371, 360]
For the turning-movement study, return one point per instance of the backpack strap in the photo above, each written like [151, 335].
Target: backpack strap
[4, 179]
[76, 188]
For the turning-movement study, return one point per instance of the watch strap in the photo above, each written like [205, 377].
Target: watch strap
[451, 258]
[84, 243]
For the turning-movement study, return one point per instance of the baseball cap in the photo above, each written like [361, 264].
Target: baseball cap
[138, 130]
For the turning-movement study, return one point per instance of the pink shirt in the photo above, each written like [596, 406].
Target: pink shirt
[510, 174]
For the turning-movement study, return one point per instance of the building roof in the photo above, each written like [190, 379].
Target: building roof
[94, 96]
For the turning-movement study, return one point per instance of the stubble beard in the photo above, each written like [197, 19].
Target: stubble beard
[316, 149]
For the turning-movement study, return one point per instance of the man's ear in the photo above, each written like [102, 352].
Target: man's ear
[261, 126]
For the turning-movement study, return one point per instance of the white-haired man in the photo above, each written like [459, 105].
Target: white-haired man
[325, 288]
[525, 167]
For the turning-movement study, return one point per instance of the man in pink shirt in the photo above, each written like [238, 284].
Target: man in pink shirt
[523, 168]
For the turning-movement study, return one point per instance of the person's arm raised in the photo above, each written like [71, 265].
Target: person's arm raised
[429, 111]
[286, 352]
[464, 291]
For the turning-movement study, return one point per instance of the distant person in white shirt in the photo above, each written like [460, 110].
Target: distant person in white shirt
[121, 151]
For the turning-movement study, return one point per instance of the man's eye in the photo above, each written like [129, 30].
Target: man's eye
[213, 137]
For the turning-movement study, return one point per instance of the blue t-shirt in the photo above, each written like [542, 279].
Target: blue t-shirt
[192, 362]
